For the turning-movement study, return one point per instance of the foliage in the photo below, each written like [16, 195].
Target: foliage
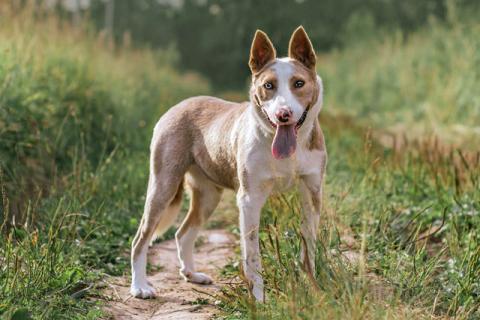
[424, 85]
[75, 121]
[214, 36]
[398, 238]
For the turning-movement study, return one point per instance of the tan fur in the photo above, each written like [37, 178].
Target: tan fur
[266, 75]
[262, 52]
[307, 94]
[301, 49]
[204, 198]
[208, 144]
[317, 140]
[177, 144]
[158, 219]
[171, 213]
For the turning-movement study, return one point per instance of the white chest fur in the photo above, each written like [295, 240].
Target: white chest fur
[262, 167]
[284, 173]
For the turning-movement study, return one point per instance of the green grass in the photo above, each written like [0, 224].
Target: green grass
[75, 125]
[421, 84]
[402, 193]
[384, 208]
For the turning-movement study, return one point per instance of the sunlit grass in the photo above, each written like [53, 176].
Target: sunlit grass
[425, 83]
[397, 240]
[75, 121]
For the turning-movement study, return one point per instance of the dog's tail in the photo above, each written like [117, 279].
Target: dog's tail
[169, 215]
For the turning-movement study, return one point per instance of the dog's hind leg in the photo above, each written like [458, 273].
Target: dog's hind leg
[169, 216]
[163, 203]
[204, 198]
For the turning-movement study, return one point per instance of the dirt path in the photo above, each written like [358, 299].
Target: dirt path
[176, 299]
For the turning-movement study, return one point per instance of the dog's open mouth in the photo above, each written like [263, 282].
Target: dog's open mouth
[285, 141]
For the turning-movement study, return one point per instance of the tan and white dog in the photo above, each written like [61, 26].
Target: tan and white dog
[255, 148]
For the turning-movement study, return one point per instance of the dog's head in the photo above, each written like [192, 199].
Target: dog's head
[284, 90]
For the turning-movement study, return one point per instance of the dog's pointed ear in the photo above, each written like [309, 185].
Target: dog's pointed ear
[261, 52]
[301, 49]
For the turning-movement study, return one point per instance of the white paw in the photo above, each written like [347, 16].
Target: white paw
[196, 277]
[144, 291]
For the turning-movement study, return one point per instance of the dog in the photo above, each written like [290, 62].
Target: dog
[269, 144]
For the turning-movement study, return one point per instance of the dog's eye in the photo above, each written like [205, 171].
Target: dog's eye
[299, 83]
[268, 85]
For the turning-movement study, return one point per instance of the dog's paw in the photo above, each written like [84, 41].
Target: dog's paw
[142, 291]
[200, 278]
[197, 277]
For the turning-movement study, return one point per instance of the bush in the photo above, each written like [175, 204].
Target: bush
[75, 125]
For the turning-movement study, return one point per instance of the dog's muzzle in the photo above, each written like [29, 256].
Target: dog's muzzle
[273, 124]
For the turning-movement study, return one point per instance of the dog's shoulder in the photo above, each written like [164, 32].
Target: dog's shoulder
[317, 139]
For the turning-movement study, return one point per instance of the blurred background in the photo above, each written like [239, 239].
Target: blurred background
[213, 37]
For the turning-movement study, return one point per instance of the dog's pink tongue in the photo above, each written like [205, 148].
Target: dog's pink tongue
[284, 142]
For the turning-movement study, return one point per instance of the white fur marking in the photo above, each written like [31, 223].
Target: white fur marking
[250, 205]
[283, 96]
[140, 287]
[185, 246]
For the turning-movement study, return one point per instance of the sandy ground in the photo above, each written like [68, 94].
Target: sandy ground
[176, 299]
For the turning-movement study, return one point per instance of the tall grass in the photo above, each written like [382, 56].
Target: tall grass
[398, 238]
[399, 234]
[426, 83]
[75, 124]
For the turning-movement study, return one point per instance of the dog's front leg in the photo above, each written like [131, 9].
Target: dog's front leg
[311, 194]
[250, 204]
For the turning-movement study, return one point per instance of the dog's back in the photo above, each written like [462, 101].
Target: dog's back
[198, 131]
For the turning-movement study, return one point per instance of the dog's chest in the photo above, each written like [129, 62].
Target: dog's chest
[284, 173]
